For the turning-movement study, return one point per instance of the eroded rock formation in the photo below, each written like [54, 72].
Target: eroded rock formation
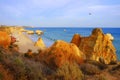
[110, 36]
[40, 43]
[61, 52]
[97, 46]
[76, 39]
[5, 39]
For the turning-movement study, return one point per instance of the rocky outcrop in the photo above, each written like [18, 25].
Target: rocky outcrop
[5, 39]
[61, 52]
[76, 39]
[23, 30]
[39, 32]
[110, 36]
[30, 32]
[97, 46]
[40, 43]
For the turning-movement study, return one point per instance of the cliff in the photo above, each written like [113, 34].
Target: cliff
[5, 39]
[61, 61]
[76, 39]
[11, 29]
[61, 52]
[22, 40]
[98, 46]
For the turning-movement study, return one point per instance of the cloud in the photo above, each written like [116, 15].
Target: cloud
[109, 9]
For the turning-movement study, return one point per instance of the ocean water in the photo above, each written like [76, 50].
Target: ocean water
[66, 34]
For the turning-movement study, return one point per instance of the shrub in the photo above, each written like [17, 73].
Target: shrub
[89, 69]
[115, 70]
[101, 77]
[101, 66]
[34, 70]
[21, 68]
[1, 76]
[68, 72]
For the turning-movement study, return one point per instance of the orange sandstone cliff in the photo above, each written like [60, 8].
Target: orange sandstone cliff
[61, 52]
[11, 29]
[76, 39]
[5, 39]
[98, 46]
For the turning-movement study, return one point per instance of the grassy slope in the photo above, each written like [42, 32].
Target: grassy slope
[15, 66]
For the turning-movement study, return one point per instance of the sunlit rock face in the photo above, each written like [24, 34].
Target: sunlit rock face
[39, 32]
[5, 39]
[40, 43]
[30, 32]
[110, 36]
[76, 39]
[97, 46]
[61, 52]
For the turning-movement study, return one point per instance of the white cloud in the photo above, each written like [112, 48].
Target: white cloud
[110, 9]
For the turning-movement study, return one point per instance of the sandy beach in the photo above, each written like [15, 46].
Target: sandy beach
[24, 42]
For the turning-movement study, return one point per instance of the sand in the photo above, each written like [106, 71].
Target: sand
[24, 42]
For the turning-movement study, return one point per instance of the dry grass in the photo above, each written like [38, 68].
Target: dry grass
[89, 69]
[5, 74]
[22, 68]
[18, 67]
[68, 72]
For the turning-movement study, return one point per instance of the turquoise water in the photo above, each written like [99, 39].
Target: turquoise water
[66, 34]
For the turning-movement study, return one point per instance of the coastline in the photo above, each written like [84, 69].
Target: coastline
[90, 57]
[66, 36]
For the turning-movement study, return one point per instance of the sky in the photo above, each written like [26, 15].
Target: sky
[60, 13]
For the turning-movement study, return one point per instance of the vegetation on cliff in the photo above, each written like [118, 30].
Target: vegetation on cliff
[63, 60]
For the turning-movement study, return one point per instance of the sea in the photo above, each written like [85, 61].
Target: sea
[51, 34]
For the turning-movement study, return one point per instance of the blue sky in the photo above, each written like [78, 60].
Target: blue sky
[60, 13]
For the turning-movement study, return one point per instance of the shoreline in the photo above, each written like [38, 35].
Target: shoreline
[48, 30]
